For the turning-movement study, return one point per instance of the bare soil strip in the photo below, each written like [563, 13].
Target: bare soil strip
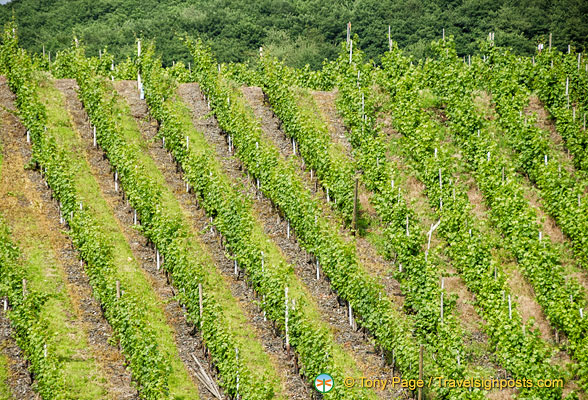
[523, 292]
[530, 191]
[359, 347]
[296, 387]
[186, 343]
[19, 379]
[34, 198]
[328, 112]
[272, 131]
[544, 122]
[366, 252]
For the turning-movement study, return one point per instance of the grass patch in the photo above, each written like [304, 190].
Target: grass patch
[45, 273]
[5, 393]
[272, 253]
[133, 279]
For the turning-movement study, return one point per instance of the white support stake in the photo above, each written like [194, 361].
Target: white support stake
[362, 104]
[317, 270]
[94, 132]
[158, 259]
[509, 307]
[286, 319]
[350, 312]
[440, 180]
[200, 302]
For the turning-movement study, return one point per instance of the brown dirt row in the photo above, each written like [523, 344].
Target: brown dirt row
[186, 343]
[545, 123]
[523, 292]
[366, 252]
[360, 348]
[39, 202]
[531, 193]
[417, 200]
[19, 378]
[325, 102]
[271, 127]
[273, 344]
[415, 194]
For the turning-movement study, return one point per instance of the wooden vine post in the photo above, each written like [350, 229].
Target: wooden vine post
[286, 320]
[355, 199]
[200, 302]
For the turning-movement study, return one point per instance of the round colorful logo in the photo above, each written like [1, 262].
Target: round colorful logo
[324, 383]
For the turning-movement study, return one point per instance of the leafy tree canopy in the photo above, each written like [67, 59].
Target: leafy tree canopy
[299, 31]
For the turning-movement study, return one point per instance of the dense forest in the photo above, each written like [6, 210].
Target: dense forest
[299, 31]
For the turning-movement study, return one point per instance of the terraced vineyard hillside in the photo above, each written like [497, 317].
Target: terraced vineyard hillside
[232, 231]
